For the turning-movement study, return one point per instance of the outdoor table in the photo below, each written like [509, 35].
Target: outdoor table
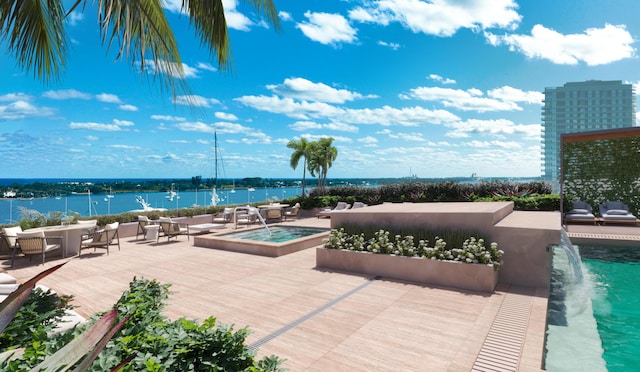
[71, 236]
[151, 232]
[205, 227]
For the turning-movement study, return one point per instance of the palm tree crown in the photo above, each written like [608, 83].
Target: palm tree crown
[35, 33]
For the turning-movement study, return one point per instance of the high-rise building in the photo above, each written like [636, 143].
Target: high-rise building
[582, 107]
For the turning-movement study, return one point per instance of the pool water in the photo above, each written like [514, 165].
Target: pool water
[276, 234]
[616, 303]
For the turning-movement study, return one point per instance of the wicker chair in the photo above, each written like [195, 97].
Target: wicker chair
[36, 244]
[8, 239]
[292, 212]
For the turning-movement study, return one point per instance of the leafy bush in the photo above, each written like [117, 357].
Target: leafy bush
[149, 340]
[533, 202]
[40, 313]
[472, 250]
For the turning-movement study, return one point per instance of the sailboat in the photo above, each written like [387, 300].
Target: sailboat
[215, 198]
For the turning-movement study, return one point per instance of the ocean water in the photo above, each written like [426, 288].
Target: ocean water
[616, 303]
[101, 204]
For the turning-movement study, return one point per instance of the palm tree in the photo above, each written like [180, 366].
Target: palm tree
[300, 150]
[35, 34]
[322, 155]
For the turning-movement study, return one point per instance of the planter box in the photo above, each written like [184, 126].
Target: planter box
[473, 277]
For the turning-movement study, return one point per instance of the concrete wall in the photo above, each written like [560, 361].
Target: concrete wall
[523, 236]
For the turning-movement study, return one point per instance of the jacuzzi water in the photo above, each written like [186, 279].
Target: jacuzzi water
[595, 325]
[276, 234]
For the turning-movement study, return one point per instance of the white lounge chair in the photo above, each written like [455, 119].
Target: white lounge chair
[340, 207]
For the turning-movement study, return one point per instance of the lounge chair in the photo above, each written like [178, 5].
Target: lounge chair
[102, 238]
[142, 222]
[9, 236]
[340, 207]
[358, 205]
[223, 217]
[246, 216]
[292, 212]
[616, 212]
[274, 213]
[36, 243]
[172, 229]
[581, 213]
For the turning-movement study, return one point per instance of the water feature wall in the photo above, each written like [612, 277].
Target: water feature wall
[572, 338]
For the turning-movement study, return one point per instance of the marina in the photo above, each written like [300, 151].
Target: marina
[88, 205]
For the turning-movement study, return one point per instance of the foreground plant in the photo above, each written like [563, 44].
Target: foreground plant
[134, 336]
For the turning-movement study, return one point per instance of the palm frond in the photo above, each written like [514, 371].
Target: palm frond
[34, 31]
[144, 37]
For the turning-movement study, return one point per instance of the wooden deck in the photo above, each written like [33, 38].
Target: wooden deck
[317, 320]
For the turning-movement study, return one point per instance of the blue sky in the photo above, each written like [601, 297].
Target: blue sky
[437, 88]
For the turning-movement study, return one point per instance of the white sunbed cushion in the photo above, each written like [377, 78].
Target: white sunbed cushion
[617, 212]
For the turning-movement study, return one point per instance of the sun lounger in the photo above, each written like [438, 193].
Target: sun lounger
[340, 207]
[581, 213]
[616, 212]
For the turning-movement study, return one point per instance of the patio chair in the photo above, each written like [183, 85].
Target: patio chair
[142, 222]
[223, 217]
[9, 236]
[274, 214]
[172, 229]
[581, 213]
[616, 212]
[292, 212]
[246, 216]
[103, 238]
[92, 226]
[340, 207]
[37, 244]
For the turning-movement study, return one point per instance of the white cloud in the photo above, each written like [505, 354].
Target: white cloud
[75, 17]
[195, 100]
[66, 94]
[386, 115]
[285, 16]
[440, 17]
[109, 98]
[128, 108]
[492, 144]
[394, 46]
[507, 93]
[171, 68]
[168, 118]
[219, 127]
[328, 29]
[596, 46]
[206, 66]
[501, 99]
[15, 97]
[440, 79]
[496, 128]
[115, 126]
[22, 109]
[225, 116]
[304, 89]
[305, 125]
[368, 140]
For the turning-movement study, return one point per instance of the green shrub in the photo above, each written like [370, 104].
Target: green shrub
[158, 343]
[471, 251]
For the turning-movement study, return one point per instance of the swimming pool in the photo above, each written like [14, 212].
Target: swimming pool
[616, 302]
[594, 325]
[282, 240]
